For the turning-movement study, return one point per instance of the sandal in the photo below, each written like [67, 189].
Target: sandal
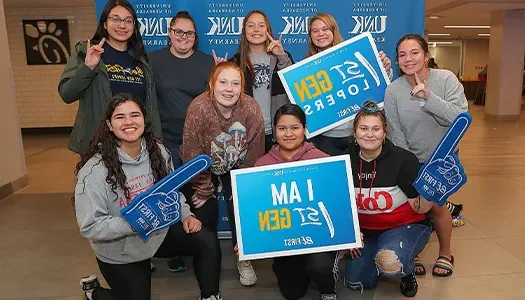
[443, 263]
[419, 265]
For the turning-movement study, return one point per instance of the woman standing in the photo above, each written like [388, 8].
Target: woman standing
[420, 105]
[113, 61]
[324, 34]
[228, 126]
[260, 56]
[125, 159]
[181, 74]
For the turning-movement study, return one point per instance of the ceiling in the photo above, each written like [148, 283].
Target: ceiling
[450, 12]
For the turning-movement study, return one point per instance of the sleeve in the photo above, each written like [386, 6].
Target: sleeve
[395, 132]
[154, 115]
[93, 218]
[284, 60]
[454, 103]
[75, 79]
[192, 146]
[407, 174]
[255, 129]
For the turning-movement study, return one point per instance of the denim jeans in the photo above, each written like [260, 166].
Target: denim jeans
[391, 254]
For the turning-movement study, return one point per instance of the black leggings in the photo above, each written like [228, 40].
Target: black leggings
[133, 281]
[208, 213]
[295, 272]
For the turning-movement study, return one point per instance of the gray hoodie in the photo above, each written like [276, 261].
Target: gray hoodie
[98, 209]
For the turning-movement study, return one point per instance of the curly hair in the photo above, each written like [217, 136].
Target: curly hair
[106, 143]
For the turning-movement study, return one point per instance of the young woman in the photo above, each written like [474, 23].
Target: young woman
[294, 273]
[420, 105]
[324, 34]
[113, 61]
[260, 56]
[227, 125]
[123, 160]
[391, 212]
[181, 74]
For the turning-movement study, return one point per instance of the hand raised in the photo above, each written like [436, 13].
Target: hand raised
[94, 54]
[275, 47]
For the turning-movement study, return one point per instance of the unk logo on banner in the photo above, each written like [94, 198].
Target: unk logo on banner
[372, 24]
[225, 25]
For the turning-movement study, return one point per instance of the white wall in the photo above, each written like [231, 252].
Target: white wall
[39, 104]
[476, 57]
[12, 163]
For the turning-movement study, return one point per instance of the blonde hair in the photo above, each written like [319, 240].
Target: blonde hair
[215, 74]
[329, 20]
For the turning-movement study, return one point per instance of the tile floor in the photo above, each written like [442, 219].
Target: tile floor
[42, 255]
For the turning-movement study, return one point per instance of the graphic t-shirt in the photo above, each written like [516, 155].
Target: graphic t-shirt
[261, 87]
[125, 75]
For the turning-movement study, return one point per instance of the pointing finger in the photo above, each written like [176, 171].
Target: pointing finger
[102, 42]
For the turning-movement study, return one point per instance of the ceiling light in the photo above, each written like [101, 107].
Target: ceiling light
[439, 34]
[483, 34]
[434, 17]
[468, 26]
[440, 43]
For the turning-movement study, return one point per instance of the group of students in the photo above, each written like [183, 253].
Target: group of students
[141, 116]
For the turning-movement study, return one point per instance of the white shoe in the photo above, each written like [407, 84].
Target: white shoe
[247, 275]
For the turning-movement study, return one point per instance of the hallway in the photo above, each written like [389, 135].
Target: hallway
[42, 255]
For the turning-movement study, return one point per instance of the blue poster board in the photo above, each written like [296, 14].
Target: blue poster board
[219, 22]
[295, 208]
[332, 85]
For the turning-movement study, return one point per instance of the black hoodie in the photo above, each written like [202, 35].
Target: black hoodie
[383, 187]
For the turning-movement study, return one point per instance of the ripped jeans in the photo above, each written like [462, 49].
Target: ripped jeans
[391, 254]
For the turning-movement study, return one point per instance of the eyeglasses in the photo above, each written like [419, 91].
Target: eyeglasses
[129, 21]
[180, 33]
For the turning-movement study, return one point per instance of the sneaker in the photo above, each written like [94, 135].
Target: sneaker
[176, 264]
[458, 221]
[88, 284]
[328, 297]
[458, 208]
[408, 285]
[213, 297]
[247, 275]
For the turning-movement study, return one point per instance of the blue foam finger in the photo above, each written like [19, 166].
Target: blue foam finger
[159, 207]
[443, 174]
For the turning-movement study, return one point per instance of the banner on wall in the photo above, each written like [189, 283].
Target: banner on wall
[294, 209]
[332, 85]
[219, 22]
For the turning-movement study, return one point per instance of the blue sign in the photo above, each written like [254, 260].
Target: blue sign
[443, 174]
[295, 208]
[219, 22]
[331, 86]
[159, 207]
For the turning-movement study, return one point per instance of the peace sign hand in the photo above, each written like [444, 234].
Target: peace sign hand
[94, 53]
[219, 59]
[275, 46]
[421, 89]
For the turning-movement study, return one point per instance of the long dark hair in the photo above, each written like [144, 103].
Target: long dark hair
[106, 143]
[135, 42]
[184, 14]
[244, 45]
[411, 36]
